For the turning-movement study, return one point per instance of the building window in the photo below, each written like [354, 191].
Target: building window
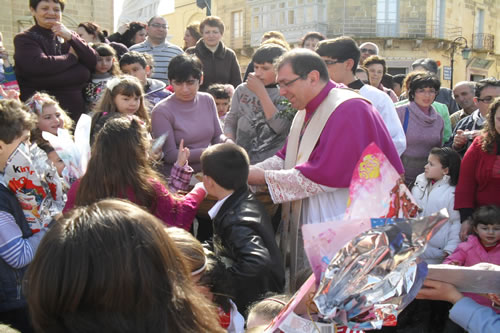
[479, 29]
[387, 18]
[237, 24]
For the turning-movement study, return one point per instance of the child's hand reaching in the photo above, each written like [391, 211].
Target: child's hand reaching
[183, 155]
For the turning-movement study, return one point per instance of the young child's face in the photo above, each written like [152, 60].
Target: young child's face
[433, 169]
[222, 106]
[104, 64]
[137, 71]
[57, 161]
[51, 119]
[127, 104]
[265, 72]
[489, 234]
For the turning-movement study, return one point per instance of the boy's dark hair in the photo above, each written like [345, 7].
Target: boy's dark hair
[424, 80]
[133, 57]
[341, 48]
[387, 81]
[268, 53]
[14, 119]
[484, 83]
[312, 34]
[488, 215]
[218, 91]
[184, 66]
[227, 164]
[450, 159]
[399, 78]
[427, 63]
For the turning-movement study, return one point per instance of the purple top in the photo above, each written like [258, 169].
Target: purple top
[173, 211]
[349, 130]
[196, 122]
[424, 132]
[44, 63]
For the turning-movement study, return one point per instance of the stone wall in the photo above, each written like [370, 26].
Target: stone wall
[16, 16]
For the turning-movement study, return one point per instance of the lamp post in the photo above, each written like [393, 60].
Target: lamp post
[465, 54]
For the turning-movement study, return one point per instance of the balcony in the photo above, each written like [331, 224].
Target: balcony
[483, 42]
[406, 28]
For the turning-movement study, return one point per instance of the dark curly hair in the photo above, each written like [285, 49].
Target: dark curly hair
[490, 135]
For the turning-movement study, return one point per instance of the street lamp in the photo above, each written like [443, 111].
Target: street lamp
[465, 53]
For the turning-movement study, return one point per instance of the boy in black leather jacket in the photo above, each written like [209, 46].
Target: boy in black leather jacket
[243, 234]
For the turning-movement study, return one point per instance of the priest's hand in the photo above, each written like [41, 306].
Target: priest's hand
[256, 176]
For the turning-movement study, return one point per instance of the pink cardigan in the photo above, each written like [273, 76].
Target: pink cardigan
[174, 212]
[470, 253]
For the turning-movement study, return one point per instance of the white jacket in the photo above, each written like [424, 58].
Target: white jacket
[432, 198]
[384, 105]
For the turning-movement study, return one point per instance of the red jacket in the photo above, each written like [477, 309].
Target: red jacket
[477, 184]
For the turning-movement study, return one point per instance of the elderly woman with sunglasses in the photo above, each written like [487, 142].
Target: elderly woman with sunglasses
[421, 123]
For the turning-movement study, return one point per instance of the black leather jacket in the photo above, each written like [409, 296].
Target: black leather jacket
[244, 238]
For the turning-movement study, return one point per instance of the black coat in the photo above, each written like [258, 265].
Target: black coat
[244, 238]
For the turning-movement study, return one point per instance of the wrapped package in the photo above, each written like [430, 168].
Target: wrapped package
[36, 184]
[372, 278]
[377, 190]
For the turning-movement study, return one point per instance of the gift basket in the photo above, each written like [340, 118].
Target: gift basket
[366, 268]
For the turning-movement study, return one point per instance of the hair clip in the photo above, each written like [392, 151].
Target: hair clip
[111, 84]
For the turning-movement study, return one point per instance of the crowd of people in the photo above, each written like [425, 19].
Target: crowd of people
[175, 128]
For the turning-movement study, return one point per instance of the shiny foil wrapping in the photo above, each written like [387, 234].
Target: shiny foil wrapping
[36, 184]
[371, 279]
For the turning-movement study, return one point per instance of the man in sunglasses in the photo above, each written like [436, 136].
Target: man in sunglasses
[341, 56]
[367, 49]
[470, 127]
[156, 45]
[311, 174]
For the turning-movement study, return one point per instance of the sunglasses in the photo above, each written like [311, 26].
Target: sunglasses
[158, 25]
[370, 51]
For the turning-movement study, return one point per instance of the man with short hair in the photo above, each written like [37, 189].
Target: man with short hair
[464, 96]
[470, 127]
[156, 44]
[311, 174]
[341, 56]
[367, 49]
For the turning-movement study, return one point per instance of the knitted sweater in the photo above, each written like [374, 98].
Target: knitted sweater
[196, 122]
[424, 132]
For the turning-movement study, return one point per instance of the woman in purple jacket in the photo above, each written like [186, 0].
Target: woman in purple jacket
[51, 58]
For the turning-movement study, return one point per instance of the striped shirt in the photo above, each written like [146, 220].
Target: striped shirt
[162, 54]
[14, 249]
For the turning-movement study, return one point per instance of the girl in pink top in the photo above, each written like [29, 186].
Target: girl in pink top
[120, 168]
[482, 246]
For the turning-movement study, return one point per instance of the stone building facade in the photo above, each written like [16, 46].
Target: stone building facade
[404, 30]
[16, 16]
